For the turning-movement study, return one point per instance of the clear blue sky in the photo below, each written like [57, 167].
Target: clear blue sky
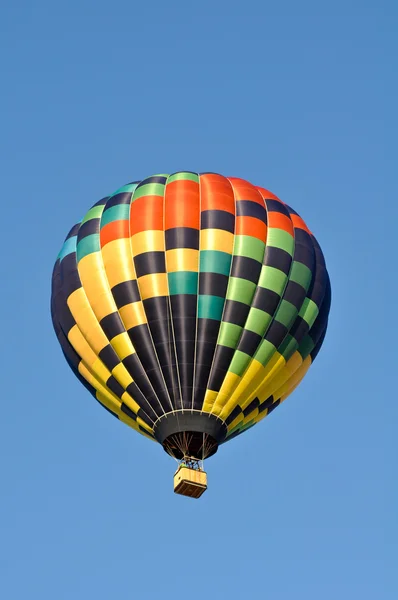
[294, 96]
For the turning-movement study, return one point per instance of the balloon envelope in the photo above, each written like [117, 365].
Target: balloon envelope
[190, 306]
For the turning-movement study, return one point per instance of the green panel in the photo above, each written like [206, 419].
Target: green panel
[183, 282]
[239, 363]
[272, 279]
[130, 187]
[121, 212]
[278, 238]
[246, 245]
[93, 213]
[68, 247]
[150, 189]
[300, 274]
[240, 290]
[210, 307]
[214, 261]
[183, 176]
[258, 321]
[288, 347]
[229, 335]
[286, 313]
[88, 245]
[306, 346]
[309, 311]
[265, 352]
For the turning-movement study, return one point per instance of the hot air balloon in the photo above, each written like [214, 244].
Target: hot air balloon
[190, 306]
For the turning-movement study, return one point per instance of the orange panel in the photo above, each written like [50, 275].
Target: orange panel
[299, 223]
[216, 193]
[114, 231]
[245, 191]
[251, 226]
[280, 221]
[266, 194]
[182, 204]
[146, 214]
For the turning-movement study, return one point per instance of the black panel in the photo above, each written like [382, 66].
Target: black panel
[157, 309]
[278, 258]
[90, 227]
[295, 294]
[101, 202]
[273, 406]
[235, 413]
[304, 254]
[109, 357]
[251, 407]
[70, 275]
[213, 284]
[126, 293]
[300, 329]
[184, 304]
[247, 208]
[112, 325]
[266, 300]
[235, 312]
[249, 342]
[246, 268]
[223, 357]
[182, 237]
[276, 333]
[218, 219]
[185, 329]
[121, 198]
[149, 263]
[266, 404]
[275, 206]
[127, 411]
[154, 179]
[73, 232]
[115, 386]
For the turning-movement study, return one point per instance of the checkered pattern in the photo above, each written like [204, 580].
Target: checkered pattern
[190, 292]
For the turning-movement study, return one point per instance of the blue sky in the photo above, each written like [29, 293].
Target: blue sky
[299, 98]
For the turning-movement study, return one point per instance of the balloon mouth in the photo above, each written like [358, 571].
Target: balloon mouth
[190, 433]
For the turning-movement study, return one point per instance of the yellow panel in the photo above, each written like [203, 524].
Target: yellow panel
[255, 371]
[148, 241]
[208, 401]
[86, 320]
[218, 407]
[128, 420]
[122, 375]
[130, 402]
[100, 370]
[182, 259]
[117, 261]
[112, 399]
[216, 239]
[81, 346]
[96, 286]
[268, 387]
[230, 383]
[295, 379]
[253, 415]
[289, 386]
[122, 345]
[153, 285]
[235, 422]
[106, 402]
[132, 314]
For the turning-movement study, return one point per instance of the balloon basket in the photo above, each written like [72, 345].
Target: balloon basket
[190, 481]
